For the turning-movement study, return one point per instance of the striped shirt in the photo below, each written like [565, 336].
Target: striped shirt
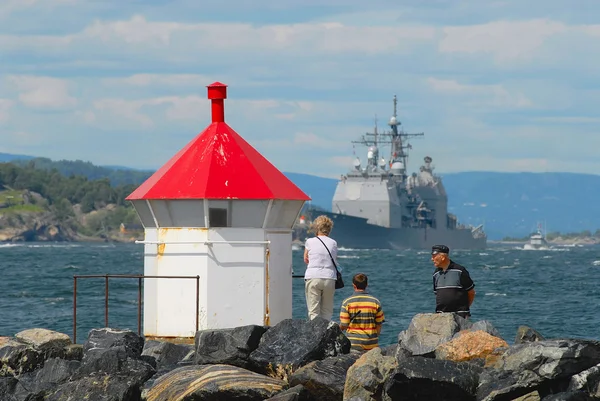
[362, 313]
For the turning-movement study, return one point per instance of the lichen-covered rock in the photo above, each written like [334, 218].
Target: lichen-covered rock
[17, 358]
[365, 379]
[294, 343]
[214, 382]
[428, 330]
[227, 346]
[73, 352]
[44, 340]
[325, 379]
[470, 345]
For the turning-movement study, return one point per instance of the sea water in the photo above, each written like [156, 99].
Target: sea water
[553, 291]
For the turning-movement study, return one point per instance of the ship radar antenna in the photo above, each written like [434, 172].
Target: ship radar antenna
[394, 119]
[375, 129]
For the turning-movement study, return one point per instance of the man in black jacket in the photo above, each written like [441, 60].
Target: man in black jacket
[452, 285]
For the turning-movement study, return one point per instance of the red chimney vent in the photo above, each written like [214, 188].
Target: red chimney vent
[217, 93]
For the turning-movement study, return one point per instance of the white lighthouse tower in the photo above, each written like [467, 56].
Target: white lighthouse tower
[221, 212]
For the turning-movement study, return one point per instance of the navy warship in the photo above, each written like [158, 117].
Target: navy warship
[380, 206]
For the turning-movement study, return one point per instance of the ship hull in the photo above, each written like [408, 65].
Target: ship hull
[356, 233]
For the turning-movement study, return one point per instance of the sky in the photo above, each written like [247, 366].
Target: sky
[494, 85]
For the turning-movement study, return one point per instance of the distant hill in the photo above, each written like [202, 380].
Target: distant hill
[509, 204]
[513, 203]
[7, 157]
[116, 175]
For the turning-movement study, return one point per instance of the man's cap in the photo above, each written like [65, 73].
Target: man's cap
[439, 249]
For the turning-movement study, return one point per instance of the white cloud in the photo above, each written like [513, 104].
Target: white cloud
[9, 6]
[24, 139]
[194, 108]
[505, 40]
[568, 120]
[130, 110]
[495, 95]
[144, 80]
[343, 162]
[186, 39]
[498, 94]
[315, 141]
[5, 106]
[43, 92]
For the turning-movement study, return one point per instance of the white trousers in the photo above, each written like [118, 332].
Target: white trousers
[319, 297]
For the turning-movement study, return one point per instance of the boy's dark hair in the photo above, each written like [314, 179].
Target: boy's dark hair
[360, 280]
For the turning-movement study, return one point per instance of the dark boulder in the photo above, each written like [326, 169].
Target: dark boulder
[432, 379]
[110, 351]
[227, 346]
[37, 384]
[7, 388]
[165, 354]
[101, 386]
[569, 396]
[294, 343]
[546, 366]
[587, 381]
[101, 339]
[296, 393]
[485, 325]
[111, 369]
[325, 379]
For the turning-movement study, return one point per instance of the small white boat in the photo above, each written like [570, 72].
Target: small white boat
[537, 241]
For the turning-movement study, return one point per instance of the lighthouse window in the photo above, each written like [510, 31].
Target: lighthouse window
[217, 217]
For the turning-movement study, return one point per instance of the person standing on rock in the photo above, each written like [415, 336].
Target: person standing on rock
[452, 285]
[319, 277]
[361, 316]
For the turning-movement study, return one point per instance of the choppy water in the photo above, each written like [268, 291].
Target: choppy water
[554, 291]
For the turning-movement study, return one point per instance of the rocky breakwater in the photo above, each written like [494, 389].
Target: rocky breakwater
[438, 357]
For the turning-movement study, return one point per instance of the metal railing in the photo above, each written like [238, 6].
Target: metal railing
[106, 277]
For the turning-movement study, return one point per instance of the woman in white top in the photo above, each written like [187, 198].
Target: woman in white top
[320, 275]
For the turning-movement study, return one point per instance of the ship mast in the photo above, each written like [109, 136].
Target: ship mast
[395, 137]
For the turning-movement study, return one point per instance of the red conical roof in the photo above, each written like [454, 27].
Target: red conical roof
[218, 164]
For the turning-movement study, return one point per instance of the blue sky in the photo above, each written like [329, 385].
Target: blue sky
[495, 85]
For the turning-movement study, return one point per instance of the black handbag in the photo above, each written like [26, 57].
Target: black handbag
[339, 282]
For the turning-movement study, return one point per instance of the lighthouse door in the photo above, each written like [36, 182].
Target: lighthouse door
[278, 280]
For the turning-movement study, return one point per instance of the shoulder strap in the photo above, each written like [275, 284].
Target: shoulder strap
[334, 265]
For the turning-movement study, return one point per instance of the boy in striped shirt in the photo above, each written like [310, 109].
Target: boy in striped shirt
[361, 316]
